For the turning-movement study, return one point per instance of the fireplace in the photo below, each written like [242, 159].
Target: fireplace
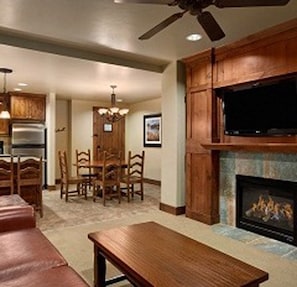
[267, 207]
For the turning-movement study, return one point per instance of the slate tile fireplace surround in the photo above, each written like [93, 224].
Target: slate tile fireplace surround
[282, 167]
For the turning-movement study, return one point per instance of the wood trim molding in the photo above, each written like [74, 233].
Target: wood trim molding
[51, 187]
[171, 209]
[152, 181]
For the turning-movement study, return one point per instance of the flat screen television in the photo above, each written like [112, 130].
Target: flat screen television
[261, 110]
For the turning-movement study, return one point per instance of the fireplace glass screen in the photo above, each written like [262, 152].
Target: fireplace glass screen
[267, 206]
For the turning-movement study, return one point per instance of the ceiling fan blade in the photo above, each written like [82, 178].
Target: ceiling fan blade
[161, 26]
[249, 3]
[164, 2]
[210, 26]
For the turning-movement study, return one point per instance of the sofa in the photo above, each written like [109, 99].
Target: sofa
[28, 258]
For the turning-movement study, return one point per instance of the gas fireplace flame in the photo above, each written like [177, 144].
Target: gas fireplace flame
[268, 209]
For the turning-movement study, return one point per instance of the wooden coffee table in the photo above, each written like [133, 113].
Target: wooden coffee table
[150, 254]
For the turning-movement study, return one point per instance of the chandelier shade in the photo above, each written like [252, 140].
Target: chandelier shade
[5, 113]
[113, 113]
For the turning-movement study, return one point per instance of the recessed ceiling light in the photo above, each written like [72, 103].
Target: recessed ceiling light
[194, 37]
[119, 100]
[22, 84]
[17, 89]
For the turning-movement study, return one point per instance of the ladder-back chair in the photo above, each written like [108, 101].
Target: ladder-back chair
[108, 182]
[6, 176]
[29, 181]
[67, 180]
[83, 159]
[133, 175]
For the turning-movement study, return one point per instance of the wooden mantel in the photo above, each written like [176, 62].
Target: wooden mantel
[252, 147]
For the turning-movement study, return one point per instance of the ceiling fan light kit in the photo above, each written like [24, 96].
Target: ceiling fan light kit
[205, 18]
[194, 37]
[113, 114]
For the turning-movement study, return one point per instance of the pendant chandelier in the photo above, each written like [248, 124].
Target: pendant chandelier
[5, 113]
[113, 113]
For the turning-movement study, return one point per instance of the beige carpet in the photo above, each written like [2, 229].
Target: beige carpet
[67, 225]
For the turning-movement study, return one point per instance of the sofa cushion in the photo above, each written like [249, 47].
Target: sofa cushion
[24, 251]
[17, 217]
[62, 276]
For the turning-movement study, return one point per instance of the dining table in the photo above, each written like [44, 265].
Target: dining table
[96, 164]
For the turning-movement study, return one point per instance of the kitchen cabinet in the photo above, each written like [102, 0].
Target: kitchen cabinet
[26, 106]
[4, 127]
[4, 123]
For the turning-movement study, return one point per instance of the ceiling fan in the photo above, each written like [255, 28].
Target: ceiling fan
[195, 8]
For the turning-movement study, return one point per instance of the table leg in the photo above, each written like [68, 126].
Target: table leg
[99, 268]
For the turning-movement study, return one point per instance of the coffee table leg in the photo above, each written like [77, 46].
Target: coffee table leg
[99, 268]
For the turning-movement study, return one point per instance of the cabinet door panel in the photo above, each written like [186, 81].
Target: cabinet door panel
[26, 106]
[37, 109]
[19, 107]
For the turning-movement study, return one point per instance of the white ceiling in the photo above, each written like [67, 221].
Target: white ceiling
[78, 48]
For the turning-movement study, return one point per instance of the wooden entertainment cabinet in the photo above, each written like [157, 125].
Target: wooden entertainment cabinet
[266, 55]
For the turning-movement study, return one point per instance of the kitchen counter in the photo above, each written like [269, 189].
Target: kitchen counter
[15, 157]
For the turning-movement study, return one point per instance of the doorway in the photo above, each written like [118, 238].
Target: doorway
[107, 136]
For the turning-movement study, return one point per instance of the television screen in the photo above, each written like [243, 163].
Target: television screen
[269, 109]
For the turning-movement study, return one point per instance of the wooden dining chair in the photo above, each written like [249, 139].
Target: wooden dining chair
[67, 180]
[83, 158]
[133, 175]
[29, 181]
[108, 182]
[6, 176]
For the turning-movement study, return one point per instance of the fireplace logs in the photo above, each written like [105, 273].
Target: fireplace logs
[269, 209]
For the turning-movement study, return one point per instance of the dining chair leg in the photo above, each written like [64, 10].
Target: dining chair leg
[132, 190]
[66, 192]
[86, 190]
[61, 190]
[94, 191]
[78, 188]
[119, 192]
[128, 192]
[141, 190]
[103, 195]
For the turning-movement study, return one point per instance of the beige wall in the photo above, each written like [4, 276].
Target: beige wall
[173, 151]
[61, 135]
[134, 137]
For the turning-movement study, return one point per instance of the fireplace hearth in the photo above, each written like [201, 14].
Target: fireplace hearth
[267, 207]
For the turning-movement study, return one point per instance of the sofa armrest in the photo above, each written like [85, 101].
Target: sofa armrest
[17, 217]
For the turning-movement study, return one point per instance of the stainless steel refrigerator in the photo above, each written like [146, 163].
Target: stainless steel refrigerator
[29, 139]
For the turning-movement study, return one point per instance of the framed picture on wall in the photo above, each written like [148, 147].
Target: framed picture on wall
[152, 130]
[107, 127]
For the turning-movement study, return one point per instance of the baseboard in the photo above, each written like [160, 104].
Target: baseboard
[171, 209]
[152, 181]
[51, 187]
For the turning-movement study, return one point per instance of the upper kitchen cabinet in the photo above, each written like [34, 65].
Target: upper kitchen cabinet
[26, 106]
